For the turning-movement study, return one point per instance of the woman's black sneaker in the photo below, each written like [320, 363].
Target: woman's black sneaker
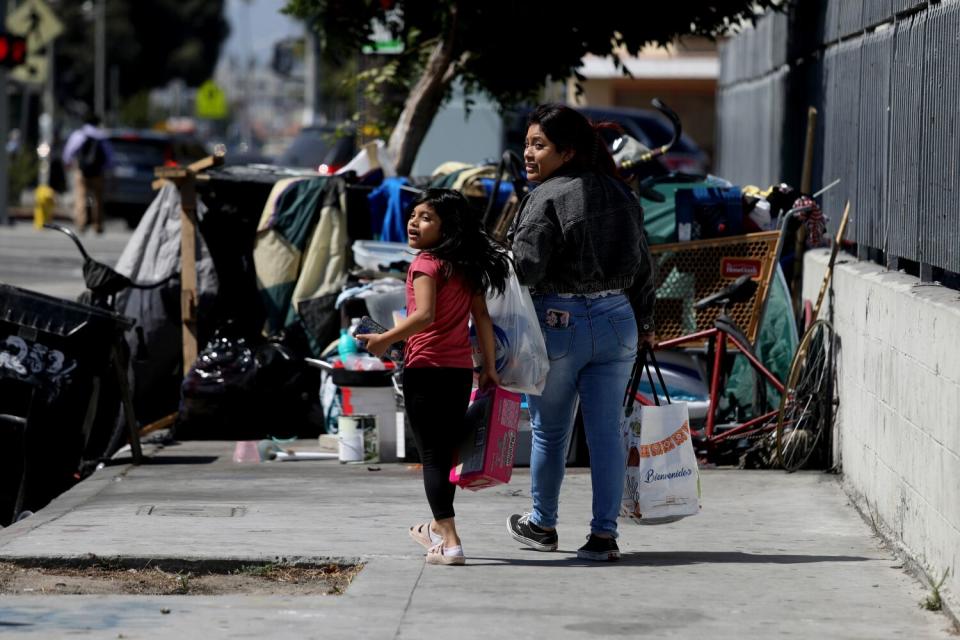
[599, 549]
[522, 530]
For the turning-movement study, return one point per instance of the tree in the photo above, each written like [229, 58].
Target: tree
[506, 48]
[149, 42]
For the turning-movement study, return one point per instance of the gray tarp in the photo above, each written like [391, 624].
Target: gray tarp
[151, 255]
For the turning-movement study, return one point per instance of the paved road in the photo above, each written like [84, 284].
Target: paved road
[46, 261]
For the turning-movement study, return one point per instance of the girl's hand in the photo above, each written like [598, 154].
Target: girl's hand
[489, 377]
[649, 339]
[373, 342]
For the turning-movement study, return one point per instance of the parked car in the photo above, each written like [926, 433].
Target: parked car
[649, 127]
[322, 148]
[127, 190]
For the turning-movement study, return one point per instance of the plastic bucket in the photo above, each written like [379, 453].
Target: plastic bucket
[357, 440]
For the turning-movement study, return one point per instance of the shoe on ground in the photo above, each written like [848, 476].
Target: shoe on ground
[424, 535]
[599, 549]
[522, 530]
[439, 554]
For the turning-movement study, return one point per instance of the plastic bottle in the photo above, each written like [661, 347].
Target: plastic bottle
[346, 348]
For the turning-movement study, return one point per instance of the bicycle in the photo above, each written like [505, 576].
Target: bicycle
[807, 403]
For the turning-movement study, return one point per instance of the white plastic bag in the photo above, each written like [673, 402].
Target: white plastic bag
[662, 480]
[520, 351]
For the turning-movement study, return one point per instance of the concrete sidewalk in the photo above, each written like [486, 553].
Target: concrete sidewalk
[771, 555]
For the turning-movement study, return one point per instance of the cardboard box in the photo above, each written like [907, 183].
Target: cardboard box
[486, 457]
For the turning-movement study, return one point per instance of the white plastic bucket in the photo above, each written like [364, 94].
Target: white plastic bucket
[357, 439]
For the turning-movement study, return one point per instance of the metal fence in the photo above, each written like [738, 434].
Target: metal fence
[884, 76]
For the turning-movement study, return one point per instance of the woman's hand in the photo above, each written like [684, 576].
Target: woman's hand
[647, 339]
[373, 342]
[489, 377]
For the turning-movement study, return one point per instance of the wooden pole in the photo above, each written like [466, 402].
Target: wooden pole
[188, 268]
[806, 184]
[186, 180]
[833, 258]
[806, 180]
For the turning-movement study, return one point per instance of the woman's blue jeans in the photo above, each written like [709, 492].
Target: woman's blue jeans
[592, 344]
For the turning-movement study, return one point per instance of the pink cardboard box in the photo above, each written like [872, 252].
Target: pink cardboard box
[486, 456]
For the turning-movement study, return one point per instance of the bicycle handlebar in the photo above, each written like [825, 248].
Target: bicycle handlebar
[86, 257]
[674, 119]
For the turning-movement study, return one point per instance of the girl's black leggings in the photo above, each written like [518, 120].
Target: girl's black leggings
[436, 401]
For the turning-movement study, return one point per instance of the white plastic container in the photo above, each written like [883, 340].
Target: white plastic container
[370, 254]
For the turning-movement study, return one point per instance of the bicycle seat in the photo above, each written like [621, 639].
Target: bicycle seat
[741, 290]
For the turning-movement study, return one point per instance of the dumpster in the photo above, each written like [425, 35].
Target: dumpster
[54, 356]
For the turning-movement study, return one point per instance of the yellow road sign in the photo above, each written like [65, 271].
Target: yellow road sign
[34, 20]
[211, 101]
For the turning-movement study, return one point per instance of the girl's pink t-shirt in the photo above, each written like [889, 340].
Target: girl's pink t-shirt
[446, 342]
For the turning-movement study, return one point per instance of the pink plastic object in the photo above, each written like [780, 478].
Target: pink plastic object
[486, 456]
[246, 451]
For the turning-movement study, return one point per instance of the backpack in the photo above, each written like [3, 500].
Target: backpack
[91, 158]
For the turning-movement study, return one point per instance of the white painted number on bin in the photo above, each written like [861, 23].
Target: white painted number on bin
[26, 359]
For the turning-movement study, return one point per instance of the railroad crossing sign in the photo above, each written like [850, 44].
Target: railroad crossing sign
[34, 20]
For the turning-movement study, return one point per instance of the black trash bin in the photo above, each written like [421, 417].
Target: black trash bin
[52, 350]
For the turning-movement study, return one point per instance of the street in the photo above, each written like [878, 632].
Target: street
[48, 262]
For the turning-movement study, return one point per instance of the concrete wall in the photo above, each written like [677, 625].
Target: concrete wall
[898, 427]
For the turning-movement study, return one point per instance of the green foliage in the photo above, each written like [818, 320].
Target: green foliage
[22, 168]
[510, 49]
[150, 42]
[135, 110]
[934, 601]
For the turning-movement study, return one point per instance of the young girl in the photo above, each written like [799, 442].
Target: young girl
[457, 264]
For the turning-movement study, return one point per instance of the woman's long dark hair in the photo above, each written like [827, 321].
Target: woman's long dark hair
[570, 129]
[464, 245]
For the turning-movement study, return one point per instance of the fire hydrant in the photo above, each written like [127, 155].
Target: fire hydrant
[44, 202]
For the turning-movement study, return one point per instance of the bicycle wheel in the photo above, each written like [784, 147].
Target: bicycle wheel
[806, 407]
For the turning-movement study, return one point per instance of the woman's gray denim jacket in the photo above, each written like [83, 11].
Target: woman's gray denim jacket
[582, 232]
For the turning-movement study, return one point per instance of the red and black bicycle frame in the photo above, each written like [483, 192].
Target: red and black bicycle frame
[719, 338]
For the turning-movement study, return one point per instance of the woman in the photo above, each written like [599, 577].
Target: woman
[579, 245]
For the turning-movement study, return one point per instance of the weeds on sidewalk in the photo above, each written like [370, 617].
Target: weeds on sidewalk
[934, 602]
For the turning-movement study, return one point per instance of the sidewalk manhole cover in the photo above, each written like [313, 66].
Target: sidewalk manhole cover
[173, 577]
[194, 511]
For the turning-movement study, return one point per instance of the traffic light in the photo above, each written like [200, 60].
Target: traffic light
[13, 50]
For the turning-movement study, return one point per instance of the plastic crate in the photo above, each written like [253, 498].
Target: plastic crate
[690, 271]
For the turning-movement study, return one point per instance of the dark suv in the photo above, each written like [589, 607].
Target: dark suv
[127, 190]
[649, 127]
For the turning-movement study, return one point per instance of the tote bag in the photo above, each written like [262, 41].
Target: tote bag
[662, 480]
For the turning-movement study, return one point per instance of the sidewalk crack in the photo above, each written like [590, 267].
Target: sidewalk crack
[406, 607]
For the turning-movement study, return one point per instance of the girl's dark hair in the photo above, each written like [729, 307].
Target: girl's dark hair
[570, 129]
[464, 245]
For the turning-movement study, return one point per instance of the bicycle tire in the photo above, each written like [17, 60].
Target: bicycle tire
[806, 405]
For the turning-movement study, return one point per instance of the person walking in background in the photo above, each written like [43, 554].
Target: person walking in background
[446, 283]
[89, 149]
[579, 244]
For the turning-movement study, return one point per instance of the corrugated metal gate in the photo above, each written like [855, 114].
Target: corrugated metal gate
[885, 78]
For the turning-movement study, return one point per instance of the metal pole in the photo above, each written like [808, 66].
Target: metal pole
[100, 59]
[46, 122]
[4, 115]
[114, 96]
